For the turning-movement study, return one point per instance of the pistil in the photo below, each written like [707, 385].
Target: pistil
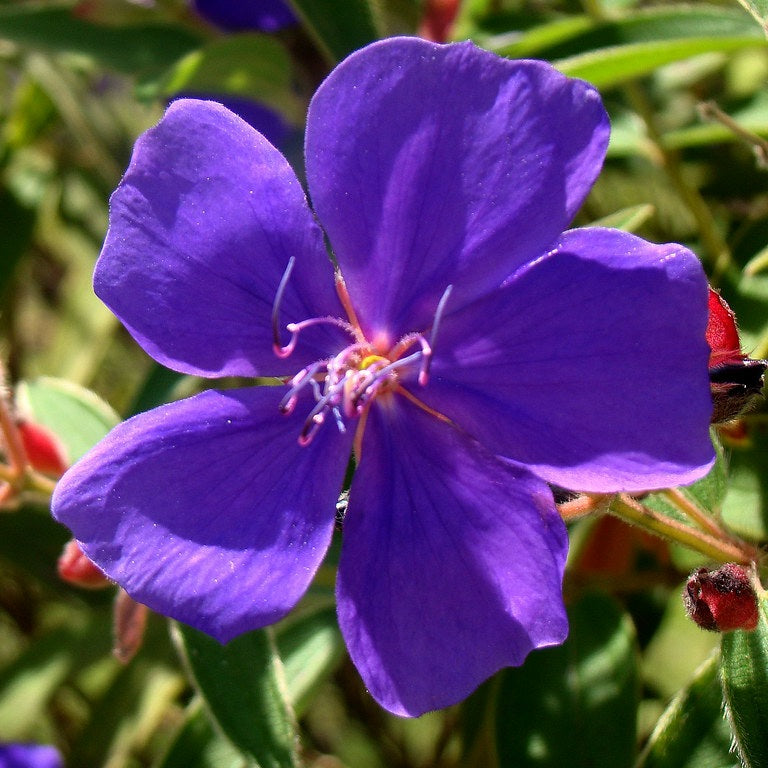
[348, 383]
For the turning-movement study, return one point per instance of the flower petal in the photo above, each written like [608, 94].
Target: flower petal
[432, 165]
[451, 563]
[263, 15]
[266, 121]
[590, 366]
[201, 229]
[207, 510]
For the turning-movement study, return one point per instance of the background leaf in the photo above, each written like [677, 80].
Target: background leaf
[250, 66]
[586, 688]
[607, 53]
[244, 690]
[134, 49]
[338, 28]
[74, 414]
[692, 732]
[744, 673]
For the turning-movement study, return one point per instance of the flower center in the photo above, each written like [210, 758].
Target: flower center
[346, 384]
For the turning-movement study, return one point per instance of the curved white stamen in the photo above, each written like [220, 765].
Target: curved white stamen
[297, 383]
[424, 372]
[278, 348]
[295, 328]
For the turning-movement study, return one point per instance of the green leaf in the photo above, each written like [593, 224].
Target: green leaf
[32, 681]
[338, 28]
[759, 11]
[156, 389]
[32, 540]
[17, 223]
[243, 686]
[744, 508]
[538, 39]
[397, 17]
[197, 745]
[707, 493]
[744, 675]
[310, 647]
[137, 49]
[629, 219]
[28, 685]
[124, 718]
[75, 415]
[587, 688]
[676, 650]
[692, 732]
[609, 53]
[250, 66]
[31, 112]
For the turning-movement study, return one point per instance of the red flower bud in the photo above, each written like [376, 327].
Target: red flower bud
[44, 452]
[439, 16]
[722, 332]
[77, 568]
[721, 600]
[735, 378]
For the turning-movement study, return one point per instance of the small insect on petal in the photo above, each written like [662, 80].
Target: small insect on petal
[721, 600]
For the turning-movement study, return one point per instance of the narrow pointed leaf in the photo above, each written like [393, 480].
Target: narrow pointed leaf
[744, 673]
[310, 647]
[692, 732]
[759, 10]
[608, 53]
[629, 219]
[197, 745]
[77, 416]
[339, 28]
[249, 66]
[141, 49]
[243, 686]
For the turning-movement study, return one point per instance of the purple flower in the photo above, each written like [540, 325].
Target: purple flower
[468, 353]
[29, 756]
[232, 15]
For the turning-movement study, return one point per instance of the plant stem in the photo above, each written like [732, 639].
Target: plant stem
[583, 505]
[728, 551]
[15, 453]
[691, 510]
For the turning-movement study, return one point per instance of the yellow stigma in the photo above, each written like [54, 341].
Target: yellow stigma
[368, 361]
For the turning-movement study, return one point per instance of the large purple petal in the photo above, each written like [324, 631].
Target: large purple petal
[451, 563]
[207, 510]
[266, 121]
[590, 366]
[201, 229]
[432, 165]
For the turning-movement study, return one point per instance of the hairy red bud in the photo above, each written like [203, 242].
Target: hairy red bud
[722, 331]
[77, 568]
[721, 600]
[735, 378]
[44, 452]
[439, 17]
